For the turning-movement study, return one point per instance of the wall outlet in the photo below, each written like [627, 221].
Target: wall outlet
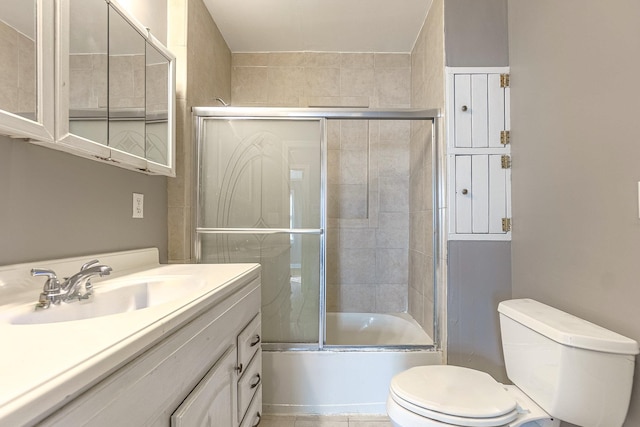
[138, 205]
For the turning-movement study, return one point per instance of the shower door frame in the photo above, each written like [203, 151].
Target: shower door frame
[199, 114]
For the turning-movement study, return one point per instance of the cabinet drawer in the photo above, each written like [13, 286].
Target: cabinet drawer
[249, 342]
[254, 413]
[249, 383]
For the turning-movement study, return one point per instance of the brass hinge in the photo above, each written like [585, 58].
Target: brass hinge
[505, 137]
[504, 80]
[506, 224]
[505, 161]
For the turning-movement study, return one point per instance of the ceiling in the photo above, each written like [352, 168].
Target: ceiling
[319, 25]
[19, 15]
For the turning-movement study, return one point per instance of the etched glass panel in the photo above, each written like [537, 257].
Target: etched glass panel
[260, 201]
[260, 174]
[290, 279]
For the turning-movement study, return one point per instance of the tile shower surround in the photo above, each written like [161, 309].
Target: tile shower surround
[371, 189]
[427, 91]
[303, 79]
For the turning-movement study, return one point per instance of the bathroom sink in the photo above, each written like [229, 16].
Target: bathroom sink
[111, 297]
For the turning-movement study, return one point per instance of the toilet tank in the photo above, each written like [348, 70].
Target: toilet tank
[576, 371]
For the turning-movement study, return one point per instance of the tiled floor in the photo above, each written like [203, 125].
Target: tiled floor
[324, 421]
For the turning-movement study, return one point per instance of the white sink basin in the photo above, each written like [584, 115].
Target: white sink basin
[111, 297]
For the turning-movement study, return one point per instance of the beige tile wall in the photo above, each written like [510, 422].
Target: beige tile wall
[368, 216]
[203, 73]
[427, 62]
[308, 79]
[368, 164]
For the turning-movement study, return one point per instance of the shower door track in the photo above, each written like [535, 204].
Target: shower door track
[318, 113]
[204, 230]
[439, 245]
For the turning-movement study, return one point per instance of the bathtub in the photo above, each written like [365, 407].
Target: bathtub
[373, 329]
[351, 375]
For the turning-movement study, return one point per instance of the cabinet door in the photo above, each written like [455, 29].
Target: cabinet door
[480, 193]
[498, 196]
[212, 403]
[479, 110]
[463, 191]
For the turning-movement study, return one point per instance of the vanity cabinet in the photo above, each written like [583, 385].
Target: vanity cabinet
[207, 373]
[250, 370]
[228, 391]
[478, 153]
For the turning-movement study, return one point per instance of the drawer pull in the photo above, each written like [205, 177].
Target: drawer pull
[239, 368]
[256, 341]
[254, 385]
[259, 418]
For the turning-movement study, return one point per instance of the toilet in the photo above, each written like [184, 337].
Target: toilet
[562, 367]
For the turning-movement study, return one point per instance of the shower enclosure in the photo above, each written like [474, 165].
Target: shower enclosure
[338, 207]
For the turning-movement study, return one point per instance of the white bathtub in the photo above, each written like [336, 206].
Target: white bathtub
[358, 329]
[342, 380]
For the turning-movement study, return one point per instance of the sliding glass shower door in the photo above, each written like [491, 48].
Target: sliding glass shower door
[260, 200]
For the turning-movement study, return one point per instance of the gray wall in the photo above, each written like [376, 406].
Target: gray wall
[476, 33]
[58, 205]
[479, 278]
[576, 160]
[479, 273]
[54, 205]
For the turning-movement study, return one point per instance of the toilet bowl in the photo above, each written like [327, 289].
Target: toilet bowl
[452, 396]
[562, 367]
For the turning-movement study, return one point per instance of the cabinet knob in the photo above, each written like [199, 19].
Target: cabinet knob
[239, 368]
[465, 108]
[464, 191]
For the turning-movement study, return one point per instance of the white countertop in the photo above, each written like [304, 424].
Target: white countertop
[45, 365]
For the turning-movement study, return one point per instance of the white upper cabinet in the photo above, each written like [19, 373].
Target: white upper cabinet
[478, 152]
[86, 77]
[115, 87]
[26, 70]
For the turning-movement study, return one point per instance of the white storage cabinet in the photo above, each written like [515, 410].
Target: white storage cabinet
[478, 154]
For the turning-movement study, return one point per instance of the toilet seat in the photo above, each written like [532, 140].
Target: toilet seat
[454, 395]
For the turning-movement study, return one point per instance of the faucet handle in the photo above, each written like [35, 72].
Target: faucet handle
[52, 285]
[44, 272]
[51, 291]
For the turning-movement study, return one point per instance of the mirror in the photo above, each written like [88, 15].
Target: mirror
[18, 71]
[26, 67]
[126, 86]
[116, 88]
[157, 106]
[88, 66]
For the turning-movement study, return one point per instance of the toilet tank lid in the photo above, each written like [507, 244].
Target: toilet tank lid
[565, 328]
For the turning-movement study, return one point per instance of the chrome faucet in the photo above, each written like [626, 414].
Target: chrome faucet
[73, 288]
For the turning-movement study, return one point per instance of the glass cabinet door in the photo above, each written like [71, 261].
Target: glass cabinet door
[26, 67]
